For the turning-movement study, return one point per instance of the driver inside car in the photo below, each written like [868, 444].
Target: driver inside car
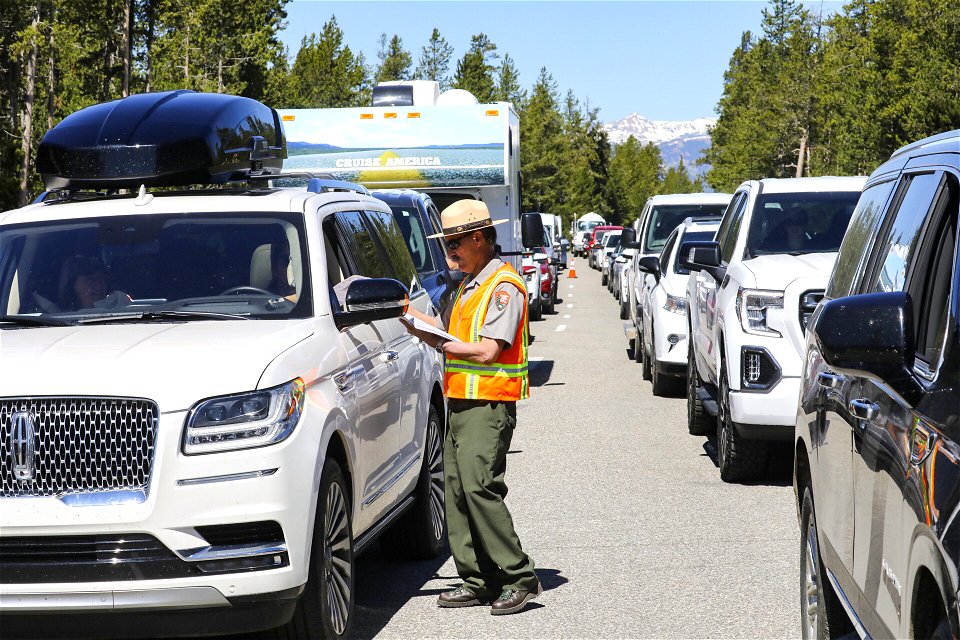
[83, 282]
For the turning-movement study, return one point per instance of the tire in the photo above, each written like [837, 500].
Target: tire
[322, 611]
[422, 530]
[645, 367]
[663, 386]
[624, 310]
[699, 422]
[638, 346]
[603, 279]
[537, 312]
[821, 614]
[739, 459]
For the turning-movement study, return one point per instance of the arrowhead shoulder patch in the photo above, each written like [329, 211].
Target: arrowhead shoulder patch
[501, 298]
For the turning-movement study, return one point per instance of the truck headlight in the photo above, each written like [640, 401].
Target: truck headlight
[674, 304]
[245, 420]
[753, 309]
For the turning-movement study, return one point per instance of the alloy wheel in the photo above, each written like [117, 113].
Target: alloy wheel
[435, 466]
[337, 570]
[723, 437]
[811, 582]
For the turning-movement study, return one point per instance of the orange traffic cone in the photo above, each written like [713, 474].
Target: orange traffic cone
[572, 269]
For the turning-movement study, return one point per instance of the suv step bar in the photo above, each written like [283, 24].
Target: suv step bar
[709, 404]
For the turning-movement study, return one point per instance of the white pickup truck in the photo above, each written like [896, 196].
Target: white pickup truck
[748, 305]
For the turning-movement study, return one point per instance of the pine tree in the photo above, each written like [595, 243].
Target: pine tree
[434, 61]
[542, 148]
[677, 180]
[394, 60]
[326, 73]
[475, 73]
[635, 174]
[508, 84]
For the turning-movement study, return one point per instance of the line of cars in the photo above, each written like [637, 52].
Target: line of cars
[824, 313]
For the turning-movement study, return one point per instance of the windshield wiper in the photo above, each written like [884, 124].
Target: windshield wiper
[35, 321]
[163, 315]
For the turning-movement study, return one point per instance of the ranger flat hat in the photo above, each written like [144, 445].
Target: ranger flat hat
[464, 216]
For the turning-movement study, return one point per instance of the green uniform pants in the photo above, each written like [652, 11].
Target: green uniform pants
[484, 545]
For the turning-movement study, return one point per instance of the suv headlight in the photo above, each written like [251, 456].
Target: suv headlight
[245, 420]
[753, 309]
[675, 304]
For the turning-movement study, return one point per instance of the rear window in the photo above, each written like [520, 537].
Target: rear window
[666, 218]
[798, 223]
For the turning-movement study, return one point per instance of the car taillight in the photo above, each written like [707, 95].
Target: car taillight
[529, 269]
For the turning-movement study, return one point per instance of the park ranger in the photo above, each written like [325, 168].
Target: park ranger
[486, 374]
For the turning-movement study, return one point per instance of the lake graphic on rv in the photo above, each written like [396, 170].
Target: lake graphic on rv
[416, 166]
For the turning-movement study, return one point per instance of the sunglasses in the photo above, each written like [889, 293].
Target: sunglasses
[453, 245]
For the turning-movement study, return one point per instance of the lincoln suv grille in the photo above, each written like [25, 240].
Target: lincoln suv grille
[56, 446]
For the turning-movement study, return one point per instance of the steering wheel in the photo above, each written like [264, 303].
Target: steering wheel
[246, 289]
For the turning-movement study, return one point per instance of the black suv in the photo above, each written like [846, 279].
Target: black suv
[418, 218]
[877, 467]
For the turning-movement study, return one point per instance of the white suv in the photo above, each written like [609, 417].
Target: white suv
[748, 306]
[209, 406]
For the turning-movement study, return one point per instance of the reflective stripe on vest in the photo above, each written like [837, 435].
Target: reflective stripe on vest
[505, 380]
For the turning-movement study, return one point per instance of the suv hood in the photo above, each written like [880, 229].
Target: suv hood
[778, 271]
[174, 364]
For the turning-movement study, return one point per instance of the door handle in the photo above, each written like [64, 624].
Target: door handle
[345, 379]
[390, 356]
[864, 409]
[923, 443]
[829, 380]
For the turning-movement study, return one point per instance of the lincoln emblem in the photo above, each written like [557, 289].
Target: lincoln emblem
[22, 435]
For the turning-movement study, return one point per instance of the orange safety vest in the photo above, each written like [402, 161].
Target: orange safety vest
[505, 380]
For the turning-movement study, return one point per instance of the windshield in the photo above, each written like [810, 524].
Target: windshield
[611, 240]
[665, 218]
[798, 223]
[588, 226]
[250, 265]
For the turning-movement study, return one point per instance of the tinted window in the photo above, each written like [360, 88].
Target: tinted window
[415, 237]
[798, 223]
[730, 228]
[202, 261]
[667, 248]
[665, 218]
[900, 240]
[398, 255]
[931, 281]
[367, 258]
[858, 239]
[692, 236]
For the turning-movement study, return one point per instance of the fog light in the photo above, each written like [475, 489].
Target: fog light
[255, 563]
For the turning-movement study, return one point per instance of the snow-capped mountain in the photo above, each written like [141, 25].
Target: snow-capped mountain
[676, 138]
[656, 131]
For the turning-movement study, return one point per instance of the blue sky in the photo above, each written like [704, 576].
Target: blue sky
[662, 59]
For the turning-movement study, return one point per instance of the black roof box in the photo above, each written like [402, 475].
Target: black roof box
[168, 138]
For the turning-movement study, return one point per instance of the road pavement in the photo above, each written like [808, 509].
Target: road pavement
[632, 531]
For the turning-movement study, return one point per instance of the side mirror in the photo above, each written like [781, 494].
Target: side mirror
[651, 265]
[702, 256]
[531, 228]
[372, 299]
[628, 237]
[869, 335]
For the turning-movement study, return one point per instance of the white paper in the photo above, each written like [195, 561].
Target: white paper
[420, 325]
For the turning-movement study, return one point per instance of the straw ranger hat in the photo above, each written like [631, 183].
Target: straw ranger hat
[464, 216]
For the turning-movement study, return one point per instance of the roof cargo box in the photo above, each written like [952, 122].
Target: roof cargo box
[163, 139]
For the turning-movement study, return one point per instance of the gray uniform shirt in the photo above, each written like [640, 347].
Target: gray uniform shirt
[505, 310]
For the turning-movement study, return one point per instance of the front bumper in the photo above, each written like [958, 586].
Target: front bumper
[274, 484]
[776, 407]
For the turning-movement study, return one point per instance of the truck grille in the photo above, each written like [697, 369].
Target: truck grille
[808, 302]
[55, 446]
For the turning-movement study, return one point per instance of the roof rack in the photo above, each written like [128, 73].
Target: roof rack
[323, 185]
[946, 135]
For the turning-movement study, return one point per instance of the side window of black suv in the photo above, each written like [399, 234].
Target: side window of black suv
[858, 239]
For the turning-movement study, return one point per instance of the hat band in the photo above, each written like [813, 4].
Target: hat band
[470, 226]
